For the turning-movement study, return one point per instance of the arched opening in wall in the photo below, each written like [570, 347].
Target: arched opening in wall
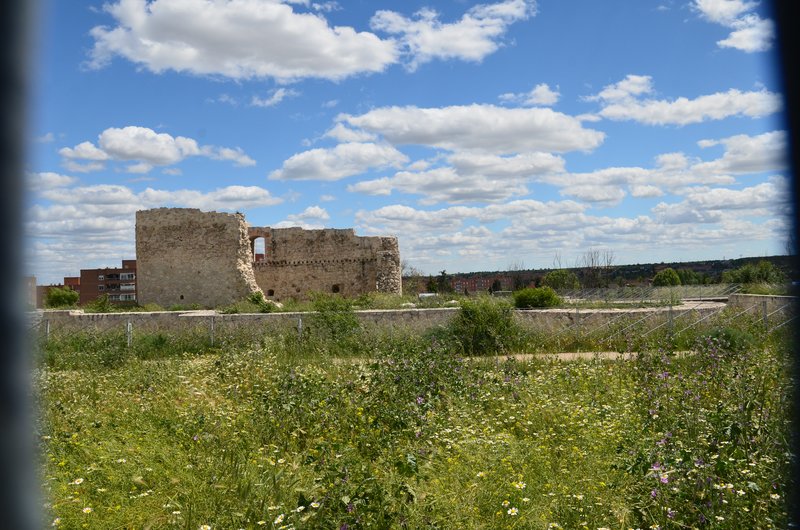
[335, 288]
[259, 249]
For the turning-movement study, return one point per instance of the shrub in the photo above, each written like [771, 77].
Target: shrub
[561, 279]
[762, 272]
[99, 305]
[483, 327]
[61, 297]
[666, 277]
[536, 297]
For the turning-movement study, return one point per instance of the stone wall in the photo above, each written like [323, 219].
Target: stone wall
[298, 262]
[185, 256]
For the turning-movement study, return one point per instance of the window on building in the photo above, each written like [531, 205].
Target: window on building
[101, 287]
[101, 277]
[127, 276]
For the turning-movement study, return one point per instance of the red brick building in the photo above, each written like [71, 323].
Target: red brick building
[119, 284]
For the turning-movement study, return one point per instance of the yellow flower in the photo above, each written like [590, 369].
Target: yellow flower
[87, 510]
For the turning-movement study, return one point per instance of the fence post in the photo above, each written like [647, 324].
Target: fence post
[671, 321]
[300, 327]
[766, 315]
[129, 333]
[212, 330]
[46, 330]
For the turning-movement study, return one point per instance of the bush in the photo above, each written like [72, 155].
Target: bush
[561, 279]
[666, 277]
[61, 297]
[536, 297]
[99, 305]
[762, 272]
[483, 327]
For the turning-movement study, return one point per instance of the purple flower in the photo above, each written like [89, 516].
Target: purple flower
[664, 479]
[351, 507]
[420, 400]
[654, 494]
[670, 513]
[344, 526]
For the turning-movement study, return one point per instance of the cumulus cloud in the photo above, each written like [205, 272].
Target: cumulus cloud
[712, 205]
[622, 101]
[47, 180]
[345, 134]
[425, 38]
[479, 128]
[541, 94]
[311, 218]
[751, 33]
[238, 39]
[470, 177]
[275, 97]
[748, 154]
[443, 185]
[146, 148]
[339, 162]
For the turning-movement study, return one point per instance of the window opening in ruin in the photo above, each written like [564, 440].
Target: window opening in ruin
[335, 288]
[181, 297]
[259, 249]
[270, 292]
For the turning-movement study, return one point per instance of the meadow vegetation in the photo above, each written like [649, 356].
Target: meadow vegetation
[340, 426]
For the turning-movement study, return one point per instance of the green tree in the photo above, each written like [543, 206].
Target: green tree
[761, 272]
[443, 283]
[536, 297]
[61, 297]
[561, 279]
[666, 277]
[689, 277]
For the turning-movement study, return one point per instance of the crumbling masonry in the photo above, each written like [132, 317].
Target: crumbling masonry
[185, 256]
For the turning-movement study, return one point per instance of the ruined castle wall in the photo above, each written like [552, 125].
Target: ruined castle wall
[298, 262]
[185, 256]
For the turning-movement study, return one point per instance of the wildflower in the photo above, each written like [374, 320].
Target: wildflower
[480, 474]
[670, 513]
[261, 523]
[279, 519]
[77, 481]
[719, 518]
[664, 479]
[176, 512]
[519, 485]
[87, 510]
[525, 499]
[512, 511]
[505, 503]
[56, 521]
[300, 509]
[314, 504]
[774, 496]
[205, 527]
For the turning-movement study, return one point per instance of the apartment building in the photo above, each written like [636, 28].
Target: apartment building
[118, 283]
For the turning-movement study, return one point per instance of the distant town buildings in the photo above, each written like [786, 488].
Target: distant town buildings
[117, 283]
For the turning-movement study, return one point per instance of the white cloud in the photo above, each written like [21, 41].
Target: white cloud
[607, 195]
[339, 162]
[275, 97]
[47, 180]
[713, 205]
[479, 128]
[45, 138]
[172, 171]
[238, 39]
[84, 151]
[235, 155]
[444, 185]
[748, 154]
[145, 147]
[327, 198]
[723, 12]
[344, 134]
[751, 33]
[620, 101]
[141, 143]
[472, 38]
[521, 165]
[541, 94]
[312, 218]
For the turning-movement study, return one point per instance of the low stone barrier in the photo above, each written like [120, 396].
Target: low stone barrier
[415, 320]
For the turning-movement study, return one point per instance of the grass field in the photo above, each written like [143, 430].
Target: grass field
[278, 435]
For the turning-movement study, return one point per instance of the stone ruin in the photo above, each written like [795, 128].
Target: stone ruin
[186, 256]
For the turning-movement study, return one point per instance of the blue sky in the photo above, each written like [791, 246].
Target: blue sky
[482, 135]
